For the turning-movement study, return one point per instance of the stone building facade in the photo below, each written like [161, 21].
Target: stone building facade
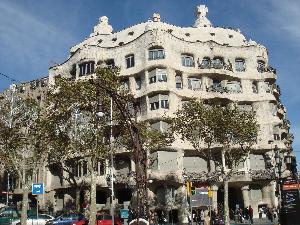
[163, 66]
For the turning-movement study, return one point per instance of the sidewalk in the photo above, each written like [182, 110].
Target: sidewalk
[264, 221]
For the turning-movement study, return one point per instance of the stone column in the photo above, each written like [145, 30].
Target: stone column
[273, 198]
[265, 194]
[183, 212]
[245, 192]
[145, 81]
[214, 203]
[184, 81]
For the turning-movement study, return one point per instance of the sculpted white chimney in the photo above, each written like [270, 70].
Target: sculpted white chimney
[102, 27]
[201, 20]
[156, 17]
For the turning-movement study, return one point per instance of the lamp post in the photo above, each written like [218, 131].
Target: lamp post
[278, 165]
[101, 114]
[7, 189]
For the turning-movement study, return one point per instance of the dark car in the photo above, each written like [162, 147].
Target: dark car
[67, 219]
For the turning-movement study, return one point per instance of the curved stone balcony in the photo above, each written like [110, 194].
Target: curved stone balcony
[127, 179]
[165, 176]
[263, 174]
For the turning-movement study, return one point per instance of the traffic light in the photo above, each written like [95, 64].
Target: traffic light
[189, 188]
[210, 193]
[193, 190]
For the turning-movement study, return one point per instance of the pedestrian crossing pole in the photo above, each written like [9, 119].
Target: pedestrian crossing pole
[210, 194]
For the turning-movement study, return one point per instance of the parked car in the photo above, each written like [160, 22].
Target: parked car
[68, 219]
[9, 215]
[104, 219]
[32, 220]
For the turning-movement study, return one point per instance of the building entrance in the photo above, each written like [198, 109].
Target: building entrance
[235, 198]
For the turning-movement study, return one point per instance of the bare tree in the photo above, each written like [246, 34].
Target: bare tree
[21, 149]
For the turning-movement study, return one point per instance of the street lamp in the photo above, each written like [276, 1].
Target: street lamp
[278, 165]
[101, 114]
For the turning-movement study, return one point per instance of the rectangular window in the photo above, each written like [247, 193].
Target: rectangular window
[187, 60]
[100, 167]
[240, 65]
[154, 105]
[178, 80]
[164, 104]
[254, 87]
[155, 54]
[158, 75]
[86, 68]
[152, 79]
[234, 87]
[159, 101]
[129, 61]
[138, 83]
[194, 84]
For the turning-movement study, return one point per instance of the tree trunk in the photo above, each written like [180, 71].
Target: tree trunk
[24, 205]
[226, 209]
[77, 198]
[93, 207]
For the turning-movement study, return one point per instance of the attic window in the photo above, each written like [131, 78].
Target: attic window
[230, 36]
[187, 34]
[114, 39]
[121, 43]
[212, 34]
[131, 33]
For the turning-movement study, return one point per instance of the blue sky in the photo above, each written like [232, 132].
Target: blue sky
[36, 34]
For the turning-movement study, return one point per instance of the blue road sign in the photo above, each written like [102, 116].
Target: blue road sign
[37, 189]
[124, 213]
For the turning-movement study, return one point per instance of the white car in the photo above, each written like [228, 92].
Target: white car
[32, 220]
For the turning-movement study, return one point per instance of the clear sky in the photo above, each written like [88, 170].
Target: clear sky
[36, 34]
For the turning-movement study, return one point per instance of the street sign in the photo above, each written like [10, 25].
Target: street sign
[124, 213]
[200, 198]
[37, 188]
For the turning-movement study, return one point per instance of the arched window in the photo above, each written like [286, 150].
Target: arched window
[240, 65]
[261, 66]
[218, 63]
[187, 60]
[205, 64]
[156, 53]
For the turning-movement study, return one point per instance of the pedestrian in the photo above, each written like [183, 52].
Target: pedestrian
[250, 212]
[246, 213]
[202, 215]
[241, 215]
[260, 212]
[270, 214]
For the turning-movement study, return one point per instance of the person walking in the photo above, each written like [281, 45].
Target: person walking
[250, 213]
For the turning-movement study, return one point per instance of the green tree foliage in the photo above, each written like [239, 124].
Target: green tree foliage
[74, 131]
[223, 133]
